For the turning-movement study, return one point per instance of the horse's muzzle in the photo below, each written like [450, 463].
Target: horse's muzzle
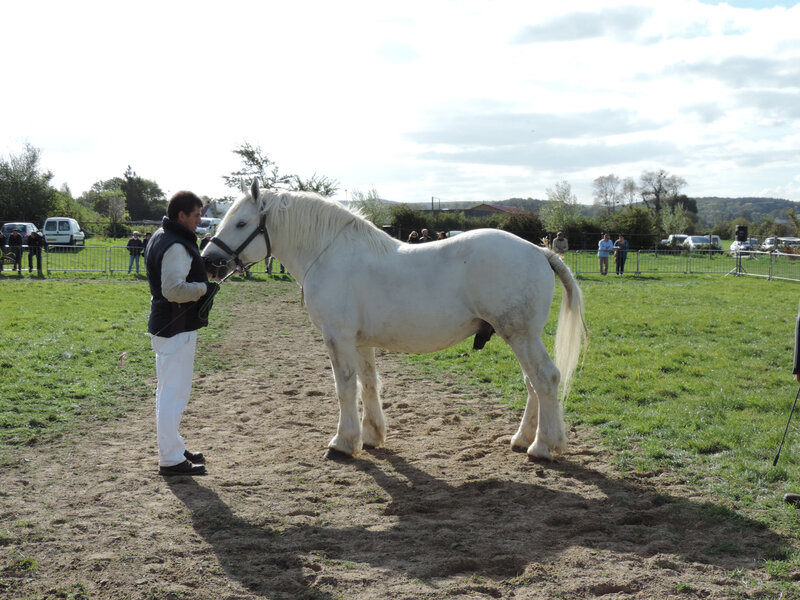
[217, 267]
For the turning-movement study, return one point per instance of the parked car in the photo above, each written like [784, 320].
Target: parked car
[749, 245]
[453, 233]
[25, 229]
[674, 240]
[777, 243]
[207, 225]
[702, 242]
[63, 231]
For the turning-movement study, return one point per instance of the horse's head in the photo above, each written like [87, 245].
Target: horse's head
[241, 238]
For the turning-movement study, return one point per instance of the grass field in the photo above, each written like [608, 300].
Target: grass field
[689, 375]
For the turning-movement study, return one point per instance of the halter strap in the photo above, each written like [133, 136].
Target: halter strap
[234, 254]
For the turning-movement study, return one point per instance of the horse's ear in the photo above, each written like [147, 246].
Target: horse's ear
[254, 189]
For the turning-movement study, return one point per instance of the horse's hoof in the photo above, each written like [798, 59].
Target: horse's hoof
[336, 455]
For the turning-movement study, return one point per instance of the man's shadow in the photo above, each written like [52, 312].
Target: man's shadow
[490, 527]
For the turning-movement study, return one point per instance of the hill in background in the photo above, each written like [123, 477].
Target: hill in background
[710, 210]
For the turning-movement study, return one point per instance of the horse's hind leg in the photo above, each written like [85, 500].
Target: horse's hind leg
[373, 425]
[542, 429]
[344, 360]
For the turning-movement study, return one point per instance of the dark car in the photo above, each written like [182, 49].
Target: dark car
[25, 229]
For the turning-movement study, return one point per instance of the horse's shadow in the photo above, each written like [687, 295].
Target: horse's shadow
[490, 527]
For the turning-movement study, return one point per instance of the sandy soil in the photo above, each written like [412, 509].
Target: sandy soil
[446, 510]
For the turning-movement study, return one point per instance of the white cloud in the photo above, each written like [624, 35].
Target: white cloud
[458, 100]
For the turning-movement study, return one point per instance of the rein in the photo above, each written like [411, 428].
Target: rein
[234, 254]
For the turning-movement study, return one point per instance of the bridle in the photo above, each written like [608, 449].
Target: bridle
[234, 254]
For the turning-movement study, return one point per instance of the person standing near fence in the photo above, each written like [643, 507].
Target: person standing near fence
[560, 245]
[135, 248]
[604, 249]
[179, 287]
[35, 243]
[15, 247]
[620, 254]
[2, 249]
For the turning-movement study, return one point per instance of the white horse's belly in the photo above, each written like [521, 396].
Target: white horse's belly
[418, 338]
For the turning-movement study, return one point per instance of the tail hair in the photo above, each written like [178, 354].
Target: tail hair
[571, 334]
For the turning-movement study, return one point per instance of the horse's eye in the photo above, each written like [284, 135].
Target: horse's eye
[241, 224]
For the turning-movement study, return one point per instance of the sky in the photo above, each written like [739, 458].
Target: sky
[468, 100]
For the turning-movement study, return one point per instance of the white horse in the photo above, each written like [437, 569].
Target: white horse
[364, 289]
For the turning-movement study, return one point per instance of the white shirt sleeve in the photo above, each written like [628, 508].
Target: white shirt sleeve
[175, 266]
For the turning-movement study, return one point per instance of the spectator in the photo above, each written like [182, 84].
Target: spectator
[15, 247]
[204, 241]
[425, 237]
[146, 239]
[620, 254]
[2, 249]
[442, 235]
[413, 238]
[135, 248]
[604, 248]
[560, 244]
[35, 243]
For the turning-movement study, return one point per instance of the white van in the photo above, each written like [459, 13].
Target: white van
[207, 225]
[63, 231]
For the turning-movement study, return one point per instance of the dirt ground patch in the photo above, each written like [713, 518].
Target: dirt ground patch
[446, 510]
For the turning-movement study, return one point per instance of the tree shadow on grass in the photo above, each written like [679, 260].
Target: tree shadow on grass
[491, 528]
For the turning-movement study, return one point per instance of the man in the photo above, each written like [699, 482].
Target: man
[425, 237]
[560, 244]
[35, 243]
[179, 286]
[15, 247]
[2, 248]
[135, 248]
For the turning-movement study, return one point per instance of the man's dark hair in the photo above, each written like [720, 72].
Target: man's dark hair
[183, 201]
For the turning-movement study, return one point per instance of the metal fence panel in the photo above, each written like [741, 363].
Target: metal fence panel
[770, 265]
[76, 258]
[119, 260]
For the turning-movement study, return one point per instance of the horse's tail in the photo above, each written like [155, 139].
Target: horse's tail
[572, 331]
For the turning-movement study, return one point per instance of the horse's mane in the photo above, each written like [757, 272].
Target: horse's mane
[310, 219]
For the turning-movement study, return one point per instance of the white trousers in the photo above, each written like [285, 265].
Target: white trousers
[174, 367]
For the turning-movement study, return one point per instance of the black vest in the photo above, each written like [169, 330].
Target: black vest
[170, 318]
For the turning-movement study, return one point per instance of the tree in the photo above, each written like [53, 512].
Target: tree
[607, 192]
[526, 225]
[319, 184]
[637, 225]
[656, 187]
[143, 197]
[675, 220]
[256, 164]
[563, 211]
[630, 192]
[25, 191]
[372, 207]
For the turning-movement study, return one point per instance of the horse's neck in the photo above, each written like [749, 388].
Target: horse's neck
[301, 255]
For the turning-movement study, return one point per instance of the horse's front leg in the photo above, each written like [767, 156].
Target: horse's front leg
[373, 424]
[344, 360]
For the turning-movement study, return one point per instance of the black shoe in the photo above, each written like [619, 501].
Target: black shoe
[195, 457]
[793, 499]
[184, 468]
